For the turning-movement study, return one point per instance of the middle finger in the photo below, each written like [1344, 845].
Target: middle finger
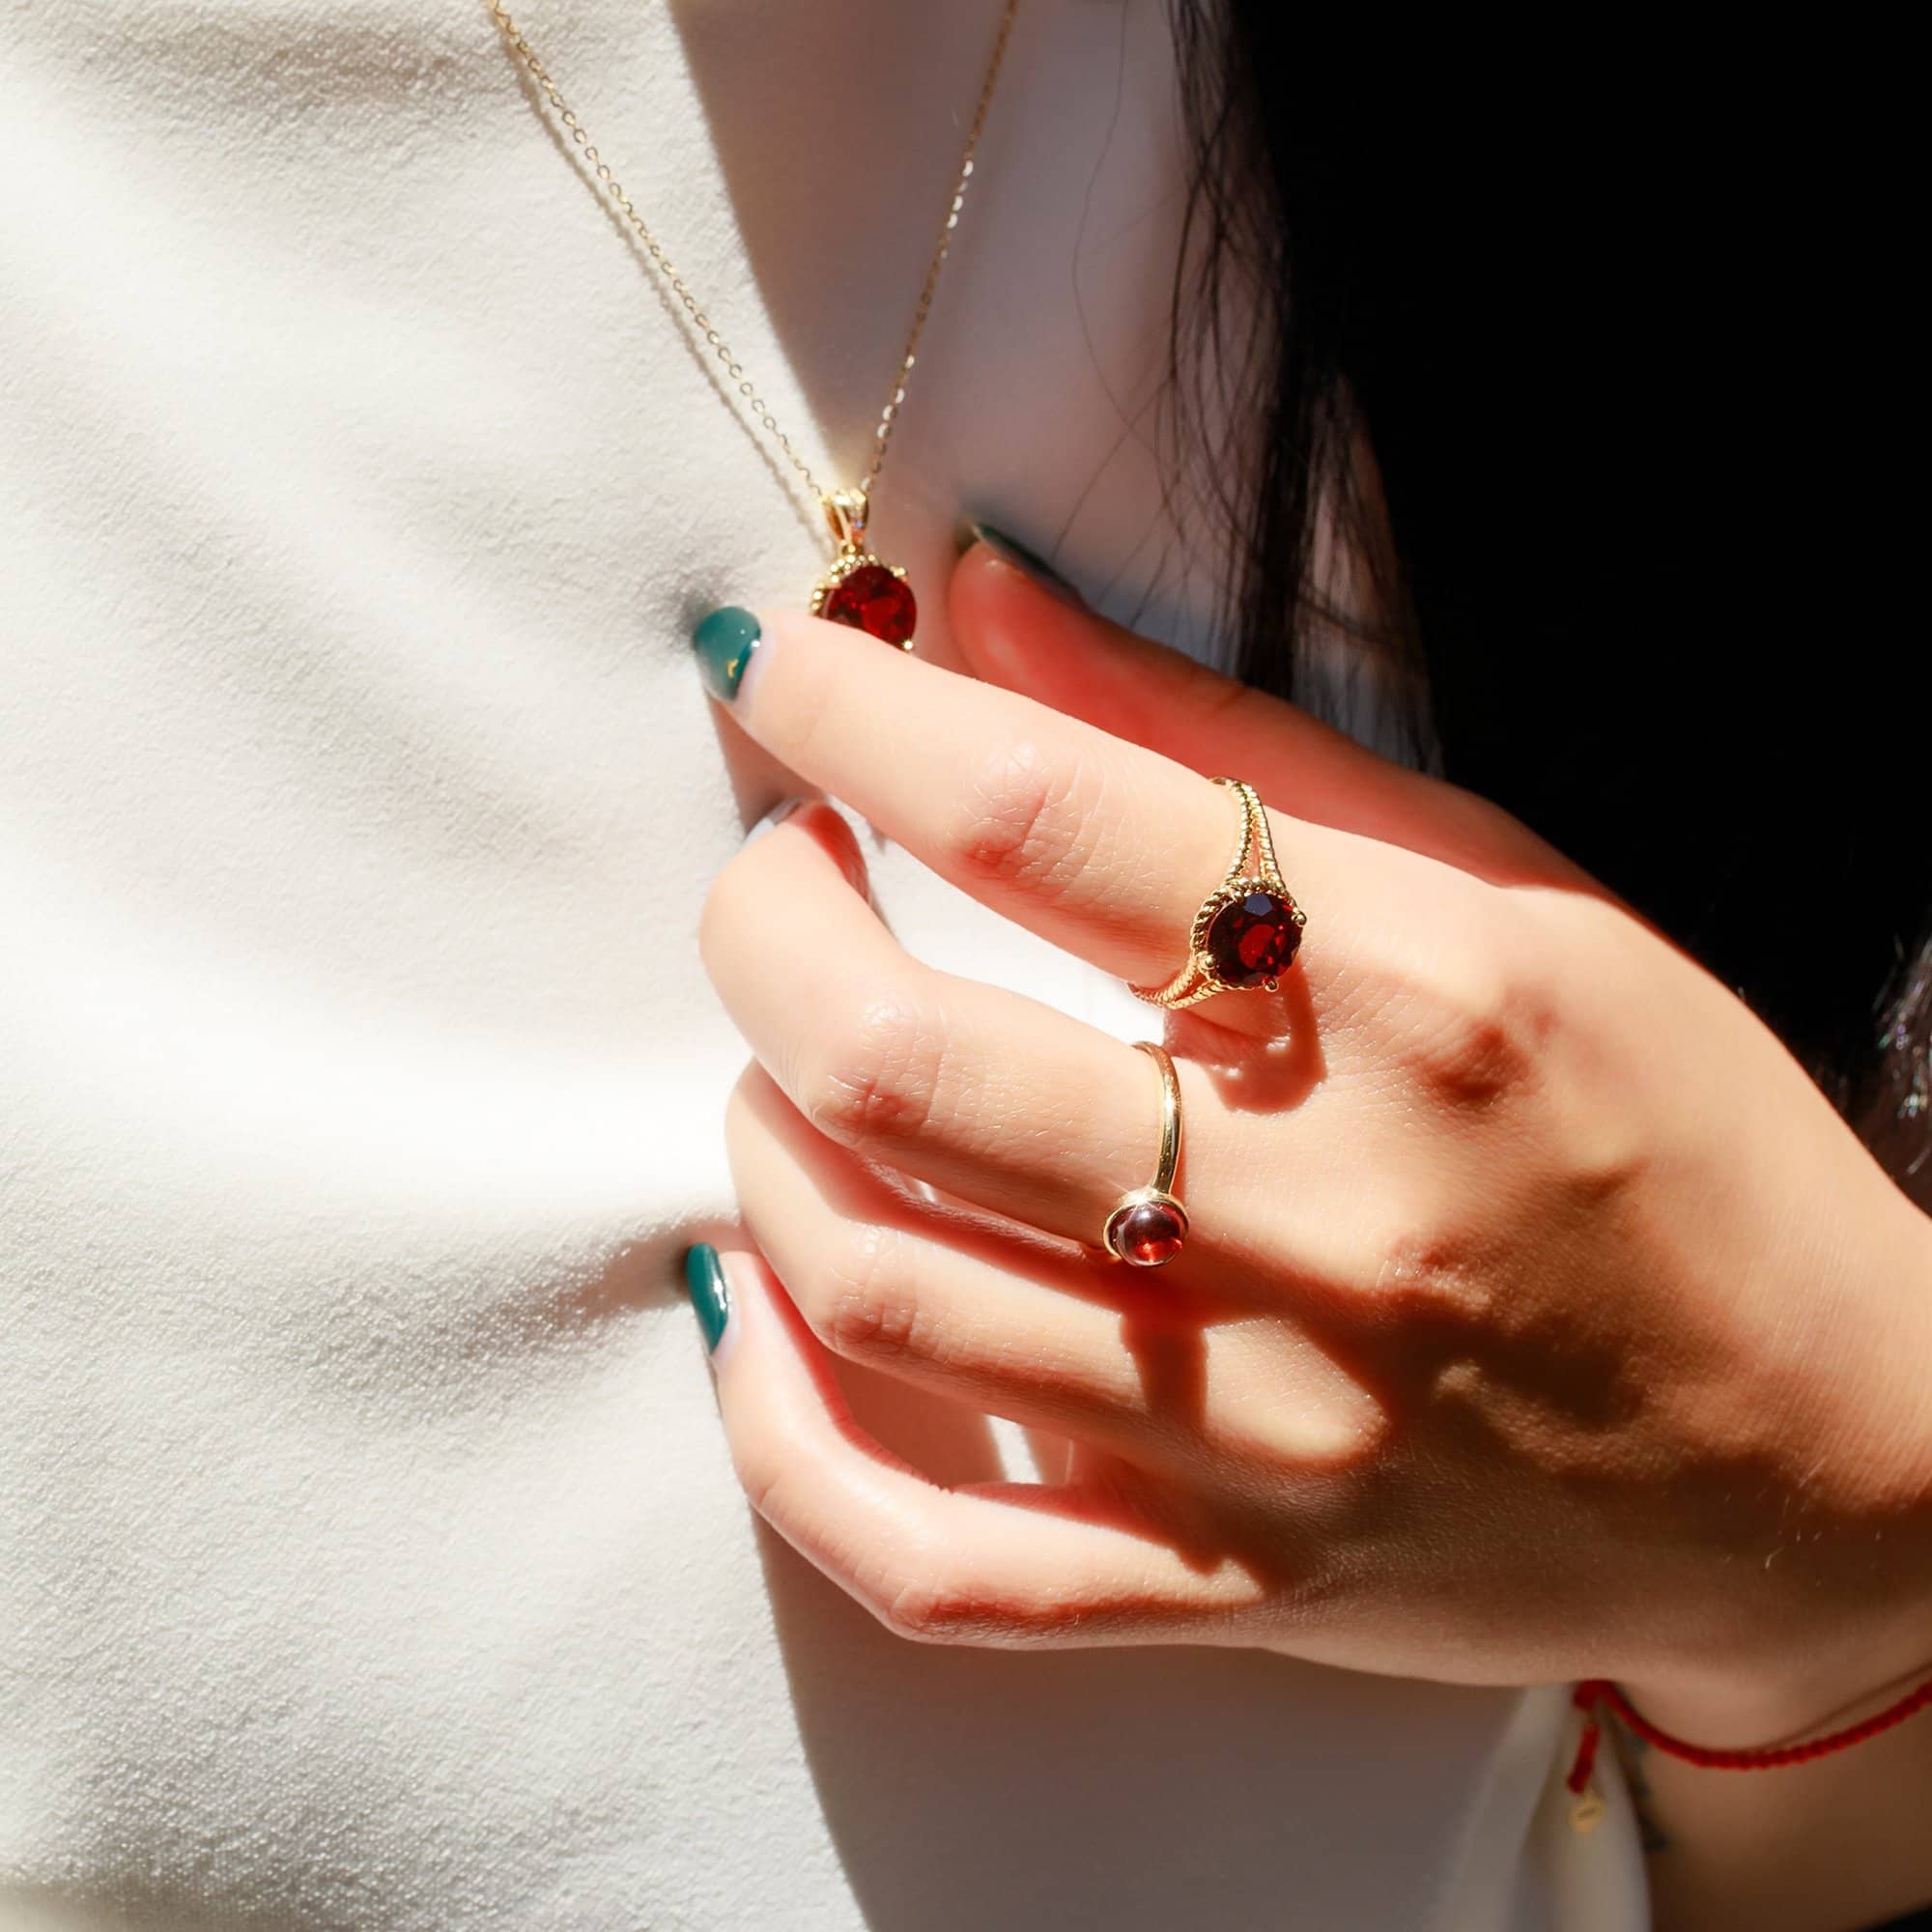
[985, 1093]
[1101, 847]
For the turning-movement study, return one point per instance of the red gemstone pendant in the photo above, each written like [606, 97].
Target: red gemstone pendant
[874, 598]
[859, 589]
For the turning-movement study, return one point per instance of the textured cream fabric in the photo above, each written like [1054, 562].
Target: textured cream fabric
[369, 1556]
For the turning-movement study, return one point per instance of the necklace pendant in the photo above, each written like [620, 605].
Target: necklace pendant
[859, 589]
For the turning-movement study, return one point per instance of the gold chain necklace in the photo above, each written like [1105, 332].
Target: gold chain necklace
[858, 588]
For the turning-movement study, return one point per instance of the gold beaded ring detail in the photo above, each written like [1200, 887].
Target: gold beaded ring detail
[1248, 929]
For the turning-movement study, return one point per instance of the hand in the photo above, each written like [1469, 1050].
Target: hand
[1539, 1319]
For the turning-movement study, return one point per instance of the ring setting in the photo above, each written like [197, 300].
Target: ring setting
[1248, 929]
[1148, 1227]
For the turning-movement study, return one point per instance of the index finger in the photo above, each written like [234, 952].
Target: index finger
[1101, 847]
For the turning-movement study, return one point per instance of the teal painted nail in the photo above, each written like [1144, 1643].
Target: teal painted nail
[710, 1291]
[724, 642]
[1009, 549]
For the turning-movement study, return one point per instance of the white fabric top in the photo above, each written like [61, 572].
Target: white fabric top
[369, 1553]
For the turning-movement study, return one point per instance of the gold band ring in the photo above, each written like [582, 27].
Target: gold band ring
[1248, 929]
[1149, 1226]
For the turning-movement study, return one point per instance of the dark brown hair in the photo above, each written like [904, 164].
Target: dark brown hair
[1608, 326]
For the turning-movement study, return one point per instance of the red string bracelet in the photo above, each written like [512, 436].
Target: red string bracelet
[1597, 1690]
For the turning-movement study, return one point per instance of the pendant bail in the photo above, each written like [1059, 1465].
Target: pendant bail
[846, 512]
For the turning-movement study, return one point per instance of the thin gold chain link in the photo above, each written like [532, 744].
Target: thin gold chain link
[747, 390]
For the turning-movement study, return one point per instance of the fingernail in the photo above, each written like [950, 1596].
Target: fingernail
[710, 1291]
[1009, 549]
[777, 816]
[724, 642]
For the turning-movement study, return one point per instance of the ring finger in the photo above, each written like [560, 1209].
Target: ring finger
[994, 1097]
[1169, 1378]
[1017, 1328]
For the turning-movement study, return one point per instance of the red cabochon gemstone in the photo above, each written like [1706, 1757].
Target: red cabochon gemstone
[1253, 940]
[1148, 1234]
[872, 600]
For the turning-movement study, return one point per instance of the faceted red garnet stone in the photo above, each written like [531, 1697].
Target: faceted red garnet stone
[872, 600]
[1253, 940]
[1147, 1234]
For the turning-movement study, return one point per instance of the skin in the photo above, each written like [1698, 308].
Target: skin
[1540, 1319]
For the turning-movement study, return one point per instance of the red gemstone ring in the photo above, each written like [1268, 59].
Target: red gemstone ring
[1248, 929]
[1148, 1227]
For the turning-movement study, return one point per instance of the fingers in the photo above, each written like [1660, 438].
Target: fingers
[1097, 844]
[1031, 1331]
[1162, 1374]
[1014, 634]
[1064, 1568]
[990, 1096]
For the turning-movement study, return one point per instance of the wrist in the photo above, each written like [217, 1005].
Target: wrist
[1847, 1628]
[1777, 1710]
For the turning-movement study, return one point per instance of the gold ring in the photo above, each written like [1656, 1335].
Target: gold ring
[1149, 1226]
[1248, 929]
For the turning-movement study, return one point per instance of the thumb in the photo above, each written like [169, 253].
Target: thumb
[1017, 625]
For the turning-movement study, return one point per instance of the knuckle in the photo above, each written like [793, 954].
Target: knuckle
[925, 1609]
[1480, 1032]
[876, 1076]
[943, 1602]
[1435, 1266]
[942, 1608]
[1470, 1057]
[860, 1303]
[1024, 822]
